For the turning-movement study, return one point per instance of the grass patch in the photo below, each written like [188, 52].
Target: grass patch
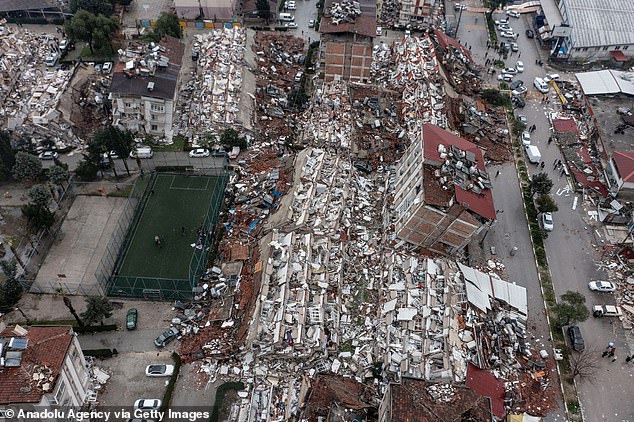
[493, 36]
[220, 399]
[167, 397]
[178, 145]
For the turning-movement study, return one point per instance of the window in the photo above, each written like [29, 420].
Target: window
[605, 48]
[625, 47]
[154, 127]
[158, 108]
[617, 47]
[153, 116]
[60, 391]
[585, 49]
[128, 105]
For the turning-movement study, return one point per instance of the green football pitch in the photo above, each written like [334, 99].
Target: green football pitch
[175, 209]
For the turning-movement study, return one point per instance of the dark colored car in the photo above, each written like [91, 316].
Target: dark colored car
[516, 84]
[530, 33]
[166, 337]
[131, 318]
[518, 102]
[576, 340]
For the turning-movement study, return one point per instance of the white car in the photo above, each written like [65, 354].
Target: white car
[502, 21]
[519, 66]
[509, 34]
[547, 221]
[541, 85]
[522, 119]
[298, 76]
[506, 77]
[510, 70]
[526, 138]
[513, 13]
[199, 153]
[107, 67]
[51, 59]
[520, 90]
[551, 77]
[147, 404]
[159, 370]
[48, 155]
[602, 286]
[63, 45]
[292, 25]
[504, 28]
[311, 24]
[290, 5]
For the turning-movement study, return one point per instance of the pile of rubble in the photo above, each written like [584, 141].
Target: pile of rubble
[328, 122]
[209, 102]
[31, 91]
[390, 10]
[345, 11]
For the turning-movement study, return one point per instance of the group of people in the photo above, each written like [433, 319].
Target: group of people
[610, 352]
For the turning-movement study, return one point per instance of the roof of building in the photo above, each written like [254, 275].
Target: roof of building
[47, 346]
[15, 5]
[551, 11]
[480, 202]
[625, 163]
[335, 389]
[600, 22]
[606, 82]
[164, 79]
[411, 401]
[565, 126]
[362, 25]
[484, 383]
[445, 40]
[213, 4]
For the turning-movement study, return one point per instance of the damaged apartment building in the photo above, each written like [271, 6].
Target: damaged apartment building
[347, 32]
[443, 196]
[144, 87]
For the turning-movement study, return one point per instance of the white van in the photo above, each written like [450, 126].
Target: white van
[142, 152]
[286, 17]
[533, 154]
[541, 85]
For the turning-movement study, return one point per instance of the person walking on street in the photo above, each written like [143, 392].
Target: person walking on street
[497, 173]
[542, 165]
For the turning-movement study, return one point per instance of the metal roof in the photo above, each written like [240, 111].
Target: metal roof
[606, 82]
[600, 22]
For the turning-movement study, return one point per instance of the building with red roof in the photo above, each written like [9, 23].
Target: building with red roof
[42, 366]
[622, 166]
[443, 196]
[565, 130]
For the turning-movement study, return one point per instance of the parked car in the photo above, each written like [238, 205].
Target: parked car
[516, 84]
[131, 319]
[513, 13]
[506, 77]
[547, 221]
[576, 340]
[510, 70]
[530, 33]
[166, 337]
[235, 151]
[504, 28]
[142, 152]
[199, 153]
[159, 370]
[541, 85]
[606, 311]
[457, 7]
[509, 34]
[48, 155]
[551, 77]
[63, 45]
[292, 25]
[502, 21]
[522, 119]
[107, 67]
[298, 76]
[515, 47]
[518, 102]
[379, 30]
[147, 404]
[602, 286]
[519, 66]
[51, 59]
[311, 24]
[526, 138]
[520, 90]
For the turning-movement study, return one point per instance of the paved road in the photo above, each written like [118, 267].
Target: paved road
[306, 10]
[570, 247]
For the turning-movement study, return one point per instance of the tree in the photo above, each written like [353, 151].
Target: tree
[584, 364]
[58, 175]
[98, 308]
[545, 203]
[7, 156]
[495, 97]
[69, 305]
[113, 139]
[541, 184]
[40, 196]
[27, 167]
[231, 137]
[103, 7]
[38, 217]
[166, 24]
[86, 170]
[571, 309]
[264, 9]
[11, 290]
[96, 30]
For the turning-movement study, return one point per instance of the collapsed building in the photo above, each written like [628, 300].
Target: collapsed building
[145, 85]
[444, 195]
[348, 29]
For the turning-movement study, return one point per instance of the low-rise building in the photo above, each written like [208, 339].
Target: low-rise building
[443, 196]
[622, 166]
[144, 88]
[43, 367]
[205, 9]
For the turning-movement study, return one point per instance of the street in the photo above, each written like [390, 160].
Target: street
[571, 247]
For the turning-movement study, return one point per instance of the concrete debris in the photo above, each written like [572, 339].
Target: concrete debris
[208, 103]
[345, 11]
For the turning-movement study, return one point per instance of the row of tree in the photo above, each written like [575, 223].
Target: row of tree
[541, 185]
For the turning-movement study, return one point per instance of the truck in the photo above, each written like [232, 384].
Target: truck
[606, 311]
[533, 154]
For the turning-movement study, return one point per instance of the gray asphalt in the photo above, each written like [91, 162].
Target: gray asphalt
[571, 250]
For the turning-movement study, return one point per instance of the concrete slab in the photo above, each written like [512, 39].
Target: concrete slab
[71, 264]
